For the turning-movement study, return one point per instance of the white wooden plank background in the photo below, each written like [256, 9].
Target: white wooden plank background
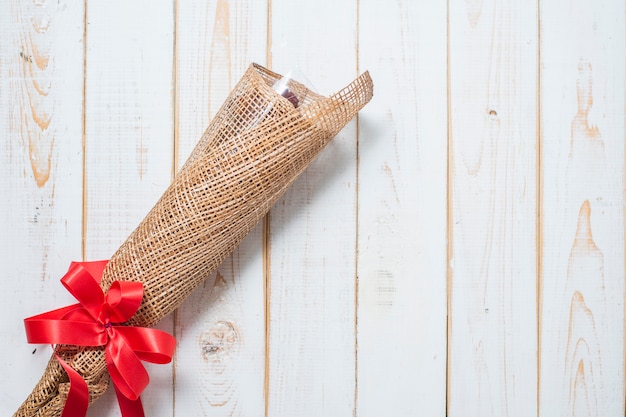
[582, 298]
[402, 176]
[493, 209]
[457, 250]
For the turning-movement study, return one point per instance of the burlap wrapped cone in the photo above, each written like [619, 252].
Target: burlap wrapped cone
[255, 147]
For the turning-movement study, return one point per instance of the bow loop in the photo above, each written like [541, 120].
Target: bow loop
[122, 301]
[84, 287]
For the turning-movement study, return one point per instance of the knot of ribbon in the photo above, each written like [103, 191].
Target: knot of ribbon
[96, 321]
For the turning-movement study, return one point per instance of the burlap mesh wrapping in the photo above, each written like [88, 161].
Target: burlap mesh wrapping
[254, 148]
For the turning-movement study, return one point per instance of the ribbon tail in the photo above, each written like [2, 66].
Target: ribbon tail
[127, 372]
[77, 400]
[128, 407]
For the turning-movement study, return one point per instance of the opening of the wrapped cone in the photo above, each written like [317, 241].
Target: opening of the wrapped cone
[348, 101]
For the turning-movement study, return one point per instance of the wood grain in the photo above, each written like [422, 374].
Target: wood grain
[582, 298]
[41, 82]
[401, 331]
[220, 361]
[311, 339]
[128, 140]
[493, 209]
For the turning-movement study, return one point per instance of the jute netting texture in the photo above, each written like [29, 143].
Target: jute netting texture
[252, 151]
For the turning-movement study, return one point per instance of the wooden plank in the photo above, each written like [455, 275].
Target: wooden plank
[215, 43]
[582, 299]
[311, 271]
[41, 83]
[402, 210]
[220, 329]
[128, 140]
[493, 208]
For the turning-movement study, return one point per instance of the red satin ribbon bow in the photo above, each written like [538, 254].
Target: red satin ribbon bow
[95, 321]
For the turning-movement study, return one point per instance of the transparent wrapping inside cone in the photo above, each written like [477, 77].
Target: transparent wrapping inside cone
[252, 151]
[286, 86]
